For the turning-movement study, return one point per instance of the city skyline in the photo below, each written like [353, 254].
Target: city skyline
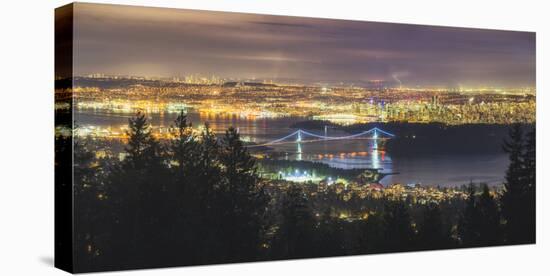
[168, 42]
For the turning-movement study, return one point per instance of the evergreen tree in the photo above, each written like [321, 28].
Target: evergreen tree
[245, 201]
[183, 199]
[142, 148]
[83, 169]
[479, 224]
[184, 147]
[517, 200]
[206, 213]
[328, 234]
[432, 232]
[530, 160]
[294, 238]
[470, 219]
[139, 185]
[372, 236]
[89, 193]
[238, 166]
[399, 234]
[489, 220]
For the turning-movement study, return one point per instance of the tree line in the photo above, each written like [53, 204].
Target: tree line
[197, 199]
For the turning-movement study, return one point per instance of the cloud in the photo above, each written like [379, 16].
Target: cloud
[156, 41]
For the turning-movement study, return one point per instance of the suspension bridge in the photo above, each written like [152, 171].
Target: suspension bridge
[303, 136]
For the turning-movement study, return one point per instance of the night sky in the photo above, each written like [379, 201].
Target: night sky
[126, 40]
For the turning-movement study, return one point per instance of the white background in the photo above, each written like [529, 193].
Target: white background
[26, 136]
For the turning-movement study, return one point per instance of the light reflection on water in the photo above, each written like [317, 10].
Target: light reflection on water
[444, 170]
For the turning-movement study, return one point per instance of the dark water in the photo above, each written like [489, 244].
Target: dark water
[427, 169]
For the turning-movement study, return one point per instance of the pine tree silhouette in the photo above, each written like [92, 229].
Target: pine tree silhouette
[294, 237]
[530, 160]
[139, 186]
[399, 234]
[470, 219]
[490, 230]
[518, 199]
[432, 232]
[244, 200]
[89, 216]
